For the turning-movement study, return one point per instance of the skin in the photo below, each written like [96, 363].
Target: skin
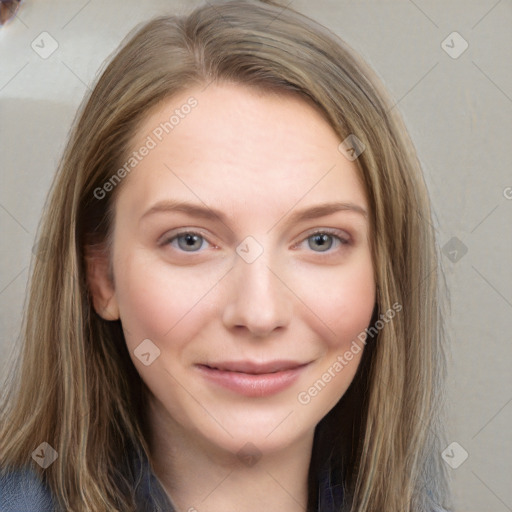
[259, 158]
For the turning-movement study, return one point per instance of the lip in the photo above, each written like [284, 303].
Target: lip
[253, 379]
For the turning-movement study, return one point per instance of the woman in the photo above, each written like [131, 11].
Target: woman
[236, 305]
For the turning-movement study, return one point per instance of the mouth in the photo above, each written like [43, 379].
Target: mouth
[253, 368]
[253, 379]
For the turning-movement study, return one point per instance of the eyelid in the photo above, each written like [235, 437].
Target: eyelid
[167, 237]
[341, 234]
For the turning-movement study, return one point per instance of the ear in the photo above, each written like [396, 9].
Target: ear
[101, 284]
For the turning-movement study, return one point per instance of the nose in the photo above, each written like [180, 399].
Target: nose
[259, 299]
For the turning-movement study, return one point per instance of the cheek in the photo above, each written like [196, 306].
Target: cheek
[342, 300]
[158, 302]
[345, 312]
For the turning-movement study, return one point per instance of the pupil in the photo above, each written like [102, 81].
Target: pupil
[323, 241]
[190, 241]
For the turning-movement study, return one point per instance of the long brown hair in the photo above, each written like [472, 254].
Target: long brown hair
[75, 386]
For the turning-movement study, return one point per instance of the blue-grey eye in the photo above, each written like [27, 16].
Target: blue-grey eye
[323, 241]
[189, 242]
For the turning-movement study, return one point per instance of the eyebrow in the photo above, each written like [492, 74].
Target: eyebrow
[205, 212]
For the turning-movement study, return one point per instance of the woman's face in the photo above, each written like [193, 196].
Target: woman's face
[239, 319]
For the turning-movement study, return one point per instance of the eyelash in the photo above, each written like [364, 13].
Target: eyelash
[344, 242]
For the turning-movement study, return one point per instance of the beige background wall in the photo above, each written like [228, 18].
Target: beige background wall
[458, 111]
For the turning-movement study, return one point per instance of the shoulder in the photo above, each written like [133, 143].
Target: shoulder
[22, 490]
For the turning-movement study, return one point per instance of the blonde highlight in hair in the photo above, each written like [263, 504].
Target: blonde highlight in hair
[76, 387]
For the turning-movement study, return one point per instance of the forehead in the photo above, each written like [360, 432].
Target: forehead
[238, 144]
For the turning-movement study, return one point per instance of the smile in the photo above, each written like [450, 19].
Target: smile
[253, 379]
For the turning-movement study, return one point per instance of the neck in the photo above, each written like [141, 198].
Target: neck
[200, 476]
